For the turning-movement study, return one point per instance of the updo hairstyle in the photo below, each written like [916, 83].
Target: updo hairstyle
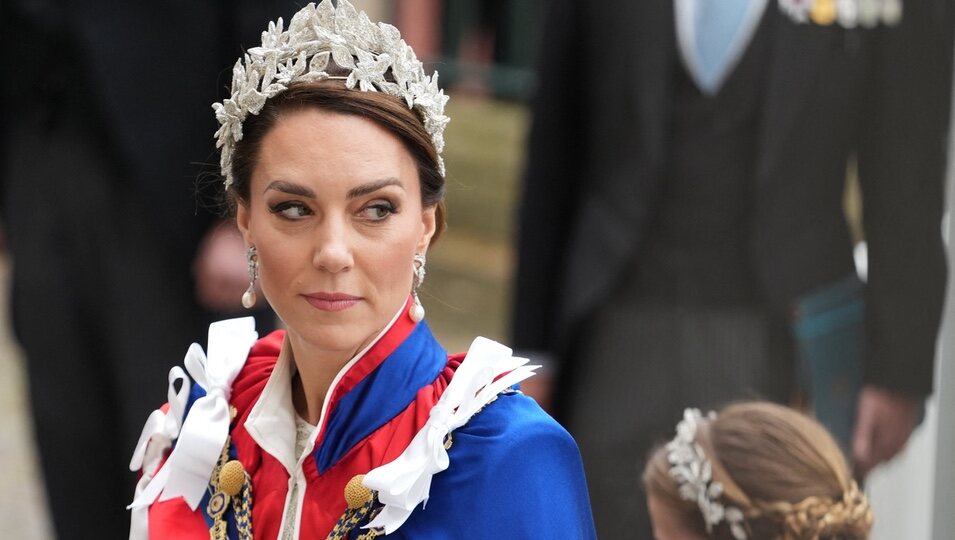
[780, 468]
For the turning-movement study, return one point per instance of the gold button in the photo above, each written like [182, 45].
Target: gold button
[232, 478]
[356, 494]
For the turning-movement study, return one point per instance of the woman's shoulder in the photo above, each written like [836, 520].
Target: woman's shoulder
[269, 346]
[514, 473]
[252, 377]
[187, 383]
[258, 366]
[232, 376]
[515, 421]
[510, 418]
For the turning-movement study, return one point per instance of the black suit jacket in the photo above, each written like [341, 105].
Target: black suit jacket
[139, 78]
[598, 148]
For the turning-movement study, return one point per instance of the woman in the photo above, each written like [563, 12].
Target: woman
[346, 424]
[756, 470]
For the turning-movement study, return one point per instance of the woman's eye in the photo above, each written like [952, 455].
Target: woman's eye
[378, 211]
[291, 210]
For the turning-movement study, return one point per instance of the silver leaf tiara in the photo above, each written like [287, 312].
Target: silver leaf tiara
[315, 35]
[693, 474]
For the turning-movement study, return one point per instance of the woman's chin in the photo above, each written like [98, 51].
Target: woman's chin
[344, 339]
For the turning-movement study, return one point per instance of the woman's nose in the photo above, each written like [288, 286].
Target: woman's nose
[332, 250]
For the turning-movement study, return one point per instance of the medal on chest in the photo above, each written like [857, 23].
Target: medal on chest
[845, 13]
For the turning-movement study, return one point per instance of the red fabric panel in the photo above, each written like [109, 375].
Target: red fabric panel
[324, 500]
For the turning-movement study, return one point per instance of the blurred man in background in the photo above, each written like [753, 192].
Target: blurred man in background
[112, 254]
[683, 207]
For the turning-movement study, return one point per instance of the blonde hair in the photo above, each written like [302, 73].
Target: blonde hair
[780, 468]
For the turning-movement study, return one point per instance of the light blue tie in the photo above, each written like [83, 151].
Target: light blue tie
[721, 30]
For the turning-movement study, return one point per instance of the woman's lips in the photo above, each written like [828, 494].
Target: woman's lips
[332, 301]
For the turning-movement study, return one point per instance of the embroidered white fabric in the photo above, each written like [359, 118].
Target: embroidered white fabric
[317, 34]
[303, 434]
[694, 475]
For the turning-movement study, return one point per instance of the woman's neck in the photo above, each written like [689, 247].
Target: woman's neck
[316, 369]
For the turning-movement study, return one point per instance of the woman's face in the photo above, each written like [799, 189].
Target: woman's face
[335, 213]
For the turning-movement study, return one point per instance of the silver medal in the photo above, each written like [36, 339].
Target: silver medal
[797, 10]
[891, 12]
[869, 12]
[847, 13]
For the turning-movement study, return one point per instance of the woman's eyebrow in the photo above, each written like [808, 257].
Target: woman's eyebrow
[290, 188]
[373, 186]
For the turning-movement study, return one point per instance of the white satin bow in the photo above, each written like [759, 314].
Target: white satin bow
[160, 430]
[406, 482]
[201, 437]
[162, 427]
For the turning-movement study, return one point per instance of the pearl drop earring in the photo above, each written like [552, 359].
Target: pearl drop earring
[252, 258]
[416, 311]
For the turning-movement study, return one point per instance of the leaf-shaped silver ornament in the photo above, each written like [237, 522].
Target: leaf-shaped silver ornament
[389, 36]
[272, 38]
[734, 516]
[302, 19]
[319, 62]
[316, 35]
[342, 56]
[715, 491]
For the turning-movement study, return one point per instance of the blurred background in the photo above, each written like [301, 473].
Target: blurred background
[486, 51]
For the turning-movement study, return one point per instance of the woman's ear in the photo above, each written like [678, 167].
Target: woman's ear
[243, 219]
[429, 223]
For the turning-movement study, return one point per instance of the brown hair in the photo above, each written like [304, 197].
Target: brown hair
[780, 468]
[331, 95]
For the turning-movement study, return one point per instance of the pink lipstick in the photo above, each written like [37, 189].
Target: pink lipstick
[331, 301]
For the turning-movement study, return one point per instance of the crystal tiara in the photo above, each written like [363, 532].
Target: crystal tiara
[317, 36]
[693, 473]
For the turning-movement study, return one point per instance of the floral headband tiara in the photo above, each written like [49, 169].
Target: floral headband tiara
[317, 35]
[693, 474]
